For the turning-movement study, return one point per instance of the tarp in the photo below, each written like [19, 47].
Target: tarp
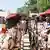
[14, 16]
[41, 14]
[47, 12]
[11, 15]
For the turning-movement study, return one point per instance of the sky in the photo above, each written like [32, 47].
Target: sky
[11, 5]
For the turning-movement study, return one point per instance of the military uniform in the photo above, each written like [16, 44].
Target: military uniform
[5, 42]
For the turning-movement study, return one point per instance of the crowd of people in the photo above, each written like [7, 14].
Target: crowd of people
[12, 33]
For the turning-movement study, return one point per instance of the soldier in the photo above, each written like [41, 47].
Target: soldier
[6, 40]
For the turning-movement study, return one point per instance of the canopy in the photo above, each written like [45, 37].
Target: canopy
[12, 19]
[47, 12]
[41, 14]
[13, 16]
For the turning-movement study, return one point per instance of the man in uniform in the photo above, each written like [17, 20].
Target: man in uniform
[6, 41]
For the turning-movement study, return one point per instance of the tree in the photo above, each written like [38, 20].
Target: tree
[35, 6]
[23, 9]
[30, 5]
[42, 5]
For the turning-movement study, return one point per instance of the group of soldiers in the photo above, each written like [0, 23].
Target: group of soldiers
[10, 38]
[41, 33]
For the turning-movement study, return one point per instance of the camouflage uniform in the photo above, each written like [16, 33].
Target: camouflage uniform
[5, 41]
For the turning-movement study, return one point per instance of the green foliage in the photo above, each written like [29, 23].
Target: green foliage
[31, 2]
[43, 5]
[35, 6]
[30, 5]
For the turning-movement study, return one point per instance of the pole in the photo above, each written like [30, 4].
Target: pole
[37, 34]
